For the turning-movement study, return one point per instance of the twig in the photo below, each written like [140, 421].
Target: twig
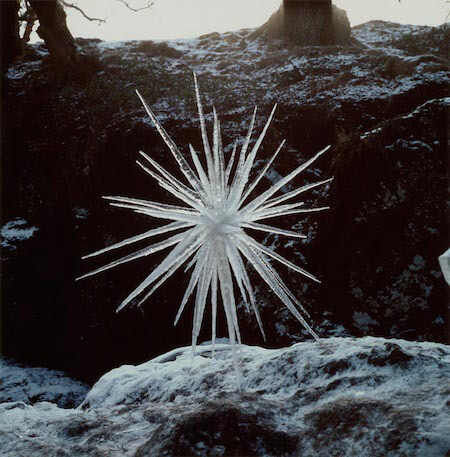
[75, 7]
[127, 4]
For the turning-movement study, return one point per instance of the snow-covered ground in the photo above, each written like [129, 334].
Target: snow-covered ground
[340, 396]
[257, 70]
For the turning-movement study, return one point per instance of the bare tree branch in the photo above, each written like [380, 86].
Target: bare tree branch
[127, 4]
[149, 4]
[32, 17]
[75, 7]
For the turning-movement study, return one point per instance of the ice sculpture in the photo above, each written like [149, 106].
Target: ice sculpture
[213, 224]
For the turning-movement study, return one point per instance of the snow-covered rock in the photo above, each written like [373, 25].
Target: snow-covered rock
[15, 231]
[340, 396]
[32, 385]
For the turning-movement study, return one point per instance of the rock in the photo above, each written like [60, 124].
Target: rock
[222, 427]
[152, 49]
[395, 66]
[341, 396]
[389, 220]
[32, 385]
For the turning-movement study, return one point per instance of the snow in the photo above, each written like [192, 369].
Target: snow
[31, 385]
[126, 384]
[113, 45]
[339, 396]
[19, 71]
[381, 34]
[252, 70]
[15, 231]
[371, 132]
[81, 213]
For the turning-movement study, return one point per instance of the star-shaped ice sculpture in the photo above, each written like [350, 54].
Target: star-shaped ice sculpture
[212, 227]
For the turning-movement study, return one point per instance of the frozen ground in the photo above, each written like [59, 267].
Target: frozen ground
[238, 70]
[341, 396]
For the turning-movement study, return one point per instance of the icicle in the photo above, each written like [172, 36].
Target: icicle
[282, 182]
[243, 178]
[294, 193]
[206, 146]
[274, 255]
[260, 176]
[270, 229]
[141, 253]
[153, 232]
[230, 165]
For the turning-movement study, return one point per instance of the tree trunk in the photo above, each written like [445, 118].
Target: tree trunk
[31, 19]
[11, 44]
[54, 31]
[309, 22]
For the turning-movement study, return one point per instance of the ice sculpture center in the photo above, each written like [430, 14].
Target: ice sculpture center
[222, 224]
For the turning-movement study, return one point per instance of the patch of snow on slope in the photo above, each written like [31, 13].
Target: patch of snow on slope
[382, 33]
[108, 45]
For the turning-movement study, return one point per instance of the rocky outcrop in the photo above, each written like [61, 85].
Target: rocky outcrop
[341, 396]
[388, 219]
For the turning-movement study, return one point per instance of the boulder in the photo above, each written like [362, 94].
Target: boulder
[30, 385]
[339, 396]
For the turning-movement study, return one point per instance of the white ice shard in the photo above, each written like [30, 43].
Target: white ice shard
[213, 226]
[444, 262]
